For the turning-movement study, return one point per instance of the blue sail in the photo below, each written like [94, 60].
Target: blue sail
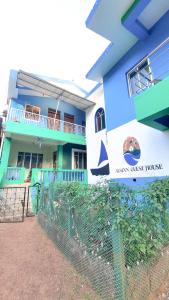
[103, 153]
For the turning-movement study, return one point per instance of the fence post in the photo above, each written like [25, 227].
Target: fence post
[118, 258]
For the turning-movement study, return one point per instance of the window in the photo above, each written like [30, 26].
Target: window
[140, 78]
[32, 112]
[79, 159]
[99, 119]
[30, 160]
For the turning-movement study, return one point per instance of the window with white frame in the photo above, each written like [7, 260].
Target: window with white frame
[29, 160]
[79, 159]
[140, 78]
[100, 120]
[32, 112]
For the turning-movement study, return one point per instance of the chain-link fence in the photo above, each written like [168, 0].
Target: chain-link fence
[118, 238]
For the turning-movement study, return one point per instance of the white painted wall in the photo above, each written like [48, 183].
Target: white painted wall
[18, 146]
[154, 145]
[94, 138]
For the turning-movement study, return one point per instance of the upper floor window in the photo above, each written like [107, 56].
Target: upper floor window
[99, 119]
[140, 78]
[32, 112]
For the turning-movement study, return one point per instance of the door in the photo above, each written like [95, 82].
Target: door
[55, 160]
[53, 119]
[69, 123]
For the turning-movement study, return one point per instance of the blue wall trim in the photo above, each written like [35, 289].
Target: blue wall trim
[92, 13]
[133, 25]
[97, 63]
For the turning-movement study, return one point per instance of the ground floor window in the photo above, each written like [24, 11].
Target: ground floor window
[79, 159]
[29, 160]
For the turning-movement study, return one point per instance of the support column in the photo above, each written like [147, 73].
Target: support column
[60, 157]
[5, 156]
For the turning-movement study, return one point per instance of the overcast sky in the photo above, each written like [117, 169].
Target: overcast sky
[47, 37]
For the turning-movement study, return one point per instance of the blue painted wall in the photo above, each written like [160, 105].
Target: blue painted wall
[45, 102]
[118, 105]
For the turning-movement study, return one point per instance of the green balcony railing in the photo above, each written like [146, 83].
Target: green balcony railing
[47, 176]
[13, 175]
[148, 83]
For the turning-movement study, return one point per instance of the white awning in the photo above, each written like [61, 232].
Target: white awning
[46, 88]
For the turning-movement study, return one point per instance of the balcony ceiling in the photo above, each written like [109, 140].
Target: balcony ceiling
[106, 19]
[39, 87]
[39, 142]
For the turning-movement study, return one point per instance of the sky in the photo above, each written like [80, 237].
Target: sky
[49, 38]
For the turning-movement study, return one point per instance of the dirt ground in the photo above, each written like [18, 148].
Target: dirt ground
[31, 267]
[162, 293]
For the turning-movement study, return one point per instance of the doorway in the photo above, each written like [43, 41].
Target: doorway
[53, 119]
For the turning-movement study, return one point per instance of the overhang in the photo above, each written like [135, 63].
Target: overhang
[45, 88]
[123, 23]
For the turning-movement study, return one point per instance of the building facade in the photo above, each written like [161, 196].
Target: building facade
[129, 126]
[44, 136]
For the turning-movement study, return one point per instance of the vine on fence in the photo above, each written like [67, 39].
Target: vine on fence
[141, 215]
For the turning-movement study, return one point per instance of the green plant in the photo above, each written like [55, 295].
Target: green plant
[90, 213]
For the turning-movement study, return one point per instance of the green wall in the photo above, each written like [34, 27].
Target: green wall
[67, 154]
[153, 104]
[37, 131]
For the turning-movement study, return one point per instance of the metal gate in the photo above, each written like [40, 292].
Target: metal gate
[33, 194]
[12, 204]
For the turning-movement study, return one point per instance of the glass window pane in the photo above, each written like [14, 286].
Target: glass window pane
[29, 108]
[85, 161]
[34, 160]
[20, 159]
[80, 160]
[27, 160]
[76, 160]
[36, 110]
[40, 161]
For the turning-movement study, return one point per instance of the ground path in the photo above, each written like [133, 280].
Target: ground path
[32, 268]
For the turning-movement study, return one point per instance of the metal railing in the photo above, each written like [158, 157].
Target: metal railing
[15, 175]
[150, 70]
[22, 116]
[47, 176]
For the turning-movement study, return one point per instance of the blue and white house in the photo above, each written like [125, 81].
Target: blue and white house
[128, 128]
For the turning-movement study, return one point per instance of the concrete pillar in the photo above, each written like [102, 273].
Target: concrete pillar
[5, 153]
[4, 157]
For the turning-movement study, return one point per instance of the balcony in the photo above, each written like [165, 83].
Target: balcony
[26, 123]
[149, 85]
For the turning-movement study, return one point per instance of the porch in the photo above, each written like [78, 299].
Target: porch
[30, 161]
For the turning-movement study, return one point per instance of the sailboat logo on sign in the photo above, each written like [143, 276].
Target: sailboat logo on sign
[103, 164]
